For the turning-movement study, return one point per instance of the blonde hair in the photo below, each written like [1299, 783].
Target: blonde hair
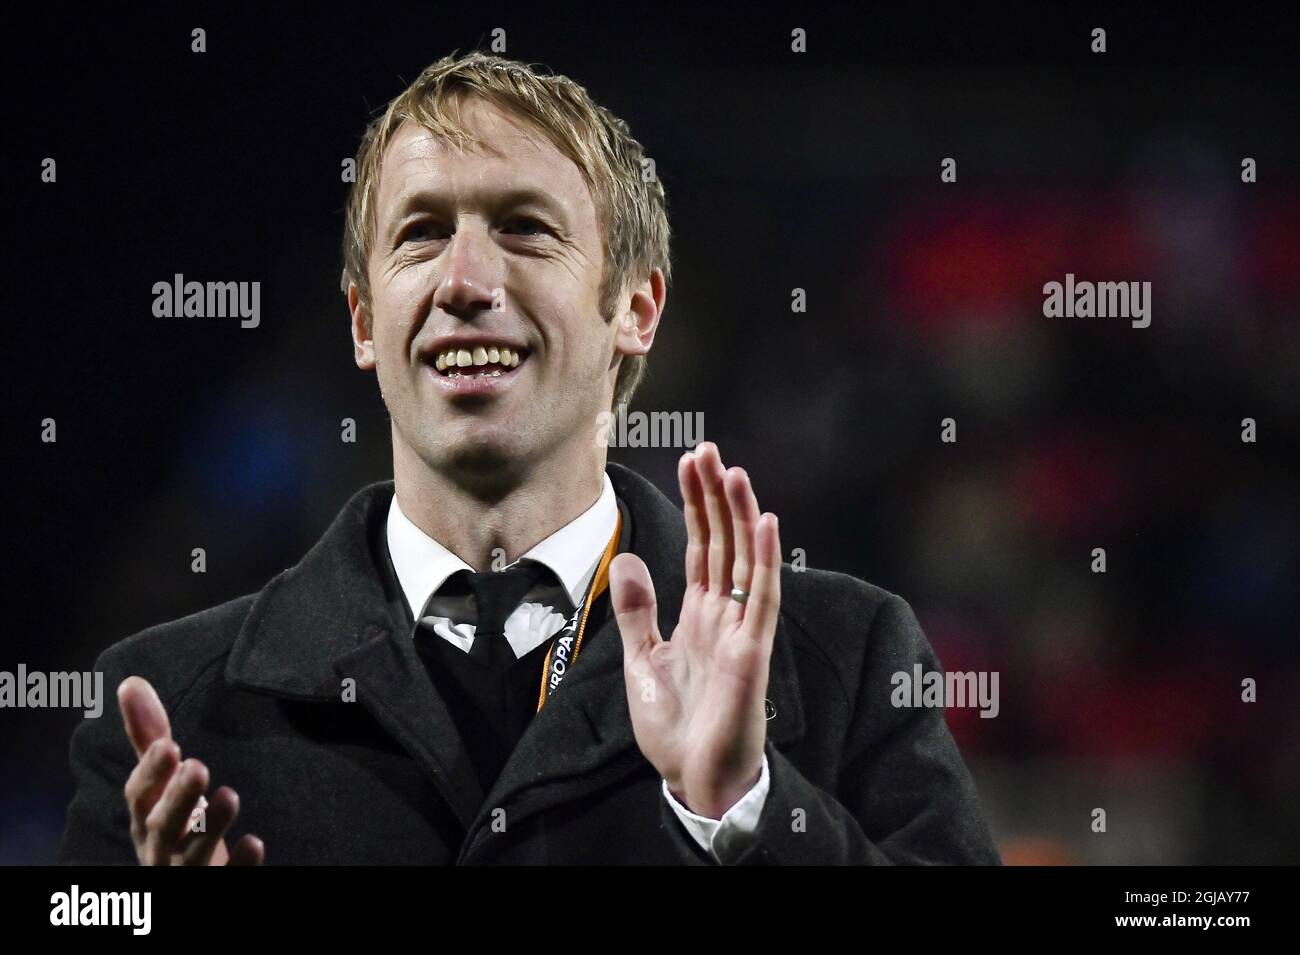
[631, 207]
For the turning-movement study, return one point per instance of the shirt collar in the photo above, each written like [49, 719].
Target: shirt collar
[573, 552]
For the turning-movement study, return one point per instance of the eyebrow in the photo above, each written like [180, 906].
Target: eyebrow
[433, 199]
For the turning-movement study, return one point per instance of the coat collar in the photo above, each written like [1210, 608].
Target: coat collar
[339, 614]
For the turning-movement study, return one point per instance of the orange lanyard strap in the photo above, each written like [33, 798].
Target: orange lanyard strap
[550, 680]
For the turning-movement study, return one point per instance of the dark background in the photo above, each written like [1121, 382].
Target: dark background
[820, 171]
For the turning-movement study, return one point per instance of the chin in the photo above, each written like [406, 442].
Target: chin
[479, 457]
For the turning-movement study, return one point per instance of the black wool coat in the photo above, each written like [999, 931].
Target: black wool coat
[254, 688]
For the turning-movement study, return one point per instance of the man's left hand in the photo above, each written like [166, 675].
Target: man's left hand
[697, 700]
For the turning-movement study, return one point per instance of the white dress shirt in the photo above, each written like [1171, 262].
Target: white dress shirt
[573, 553]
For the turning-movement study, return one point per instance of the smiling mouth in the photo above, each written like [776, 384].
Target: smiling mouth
[479, 362]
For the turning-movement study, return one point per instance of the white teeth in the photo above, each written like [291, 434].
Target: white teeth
[464, 358]
[494, 354]
[480, 355]
[441, 362]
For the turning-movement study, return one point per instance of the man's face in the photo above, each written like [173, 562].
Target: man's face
[482, 250]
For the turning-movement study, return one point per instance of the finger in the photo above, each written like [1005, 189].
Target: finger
[765, 599]
[168, 820]
[697, 530]
[248, 851]
[142, 713]
[744, 519]
[221, 812]
[721, 553]
[632, 594]
[147, 781]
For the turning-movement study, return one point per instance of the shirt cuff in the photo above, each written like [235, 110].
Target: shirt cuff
[724, 838]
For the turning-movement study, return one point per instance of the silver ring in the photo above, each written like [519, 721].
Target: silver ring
[738, 595]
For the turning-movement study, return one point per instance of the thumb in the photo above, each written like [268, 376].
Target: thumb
[632, 594]
[142, 712]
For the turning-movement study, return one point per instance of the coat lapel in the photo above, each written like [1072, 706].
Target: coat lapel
[395, 688]
[337, 615]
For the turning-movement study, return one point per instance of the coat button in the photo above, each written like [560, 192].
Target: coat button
[769, 708]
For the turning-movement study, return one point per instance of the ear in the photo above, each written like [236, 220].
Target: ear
[363, 345]
[639, 320]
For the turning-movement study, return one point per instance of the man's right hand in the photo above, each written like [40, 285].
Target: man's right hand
[163, 792]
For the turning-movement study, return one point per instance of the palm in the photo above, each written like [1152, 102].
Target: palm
[696, 701]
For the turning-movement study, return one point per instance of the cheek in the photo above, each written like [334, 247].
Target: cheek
[586, 365]
[395, 317]
[581, 348]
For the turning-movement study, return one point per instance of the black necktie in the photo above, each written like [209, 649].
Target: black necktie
[496, 595]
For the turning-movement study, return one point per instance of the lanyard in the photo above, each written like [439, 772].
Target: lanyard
[568, 641]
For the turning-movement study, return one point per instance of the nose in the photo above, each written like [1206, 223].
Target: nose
[466, 284]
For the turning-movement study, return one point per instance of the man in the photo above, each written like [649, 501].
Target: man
[471, 665]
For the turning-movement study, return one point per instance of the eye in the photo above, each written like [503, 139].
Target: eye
[418, 232]
[524, 222]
